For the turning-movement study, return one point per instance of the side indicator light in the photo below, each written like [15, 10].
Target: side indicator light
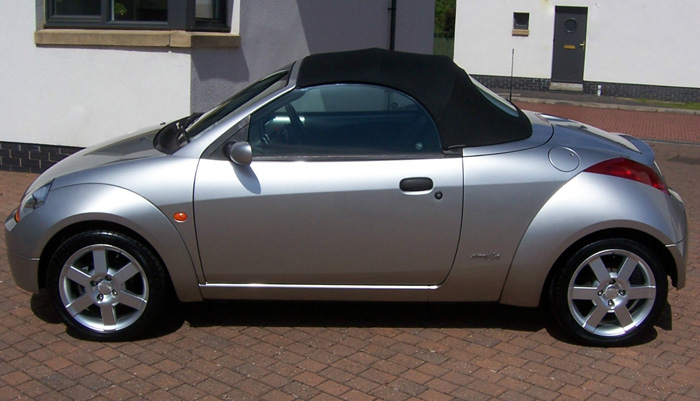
[180, 217]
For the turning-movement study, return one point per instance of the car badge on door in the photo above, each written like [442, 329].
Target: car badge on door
[486, 256]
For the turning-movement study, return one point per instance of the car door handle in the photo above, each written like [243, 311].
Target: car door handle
[416, 184]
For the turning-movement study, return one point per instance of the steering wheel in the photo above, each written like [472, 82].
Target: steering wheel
[297, 128]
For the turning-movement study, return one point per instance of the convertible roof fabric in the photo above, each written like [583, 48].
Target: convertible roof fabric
[463, 115]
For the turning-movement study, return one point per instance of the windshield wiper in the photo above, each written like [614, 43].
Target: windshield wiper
[182, 124]
[173, 136]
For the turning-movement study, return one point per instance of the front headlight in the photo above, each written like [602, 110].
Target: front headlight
[32, 201]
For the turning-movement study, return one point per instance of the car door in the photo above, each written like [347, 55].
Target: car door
[348, 186]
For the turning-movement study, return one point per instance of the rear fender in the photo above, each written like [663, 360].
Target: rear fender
[588, 204]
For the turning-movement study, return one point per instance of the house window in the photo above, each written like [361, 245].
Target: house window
[521, 24]
[190, 15]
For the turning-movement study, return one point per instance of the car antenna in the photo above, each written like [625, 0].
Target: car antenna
[512, 61]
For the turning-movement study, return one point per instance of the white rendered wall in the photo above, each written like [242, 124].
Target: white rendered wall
[483, 38]
[646, 42]
[80, 96]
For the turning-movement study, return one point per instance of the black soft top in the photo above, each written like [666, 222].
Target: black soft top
[463, 115]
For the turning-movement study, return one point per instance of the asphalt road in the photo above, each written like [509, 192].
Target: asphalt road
[331, 351]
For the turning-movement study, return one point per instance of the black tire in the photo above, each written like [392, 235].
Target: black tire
[116, 300]
[609, 293]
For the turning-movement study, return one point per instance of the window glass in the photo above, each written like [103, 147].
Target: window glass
[206, 15]
[206, 9]
[77, 7]
[344, 120]
[496, 100]
[139, 10]
[521, 20]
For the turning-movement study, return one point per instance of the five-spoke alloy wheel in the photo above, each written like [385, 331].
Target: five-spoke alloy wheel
[609, 292]
[105, 285]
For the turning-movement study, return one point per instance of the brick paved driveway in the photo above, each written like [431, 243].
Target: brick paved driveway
[646, 125]
[286, 351]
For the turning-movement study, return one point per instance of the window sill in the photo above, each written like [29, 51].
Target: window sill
[136, 38]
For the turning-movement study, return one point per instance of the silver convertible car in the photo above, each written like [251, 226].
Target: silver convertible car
[356, 176]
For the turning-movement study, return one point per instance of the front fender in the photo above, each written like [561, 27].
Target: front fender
[77, 204]
[587, 204]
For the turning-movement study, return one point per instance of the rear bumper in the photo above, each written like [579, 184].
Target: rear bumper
[680, 255]
[679, 250]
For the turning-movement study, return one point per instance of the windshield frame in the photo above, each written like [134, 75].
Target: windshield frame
[176, 135]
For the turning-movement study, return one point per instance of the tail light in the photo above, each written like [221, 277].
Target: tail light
[631, 170]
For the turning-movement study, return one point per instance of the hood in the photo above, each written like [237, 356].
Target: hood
[135, 145]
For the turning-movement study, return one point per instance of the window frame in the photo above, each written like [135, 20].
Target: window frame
[181, 16]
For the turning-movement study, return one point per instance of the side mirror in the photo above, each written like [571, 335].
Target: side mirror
[240, 153]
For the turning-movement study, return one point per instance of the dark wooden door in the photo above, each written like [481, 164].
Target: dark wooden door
[569, 44]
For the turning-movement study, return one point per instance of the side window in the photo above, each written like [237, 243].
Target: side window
[351, 120]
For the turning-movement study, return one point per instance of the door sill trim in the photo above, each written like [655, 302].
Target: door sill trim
[320, 286]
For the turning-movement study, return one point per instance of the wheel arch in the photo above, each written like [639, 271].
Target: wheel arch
[181, 285]
[667, 260]
[539, 279]
[86, 207]
[77, 228]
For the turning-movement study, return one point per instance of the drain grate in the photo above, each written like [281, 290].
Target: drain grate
[685, 160]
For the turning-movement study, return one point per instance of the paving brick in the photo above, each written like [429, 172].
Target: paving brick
[333, 388]
[540, 393]
[350, 366]
[275, 395]
[273, 380]
[310, 379]
[357, 395]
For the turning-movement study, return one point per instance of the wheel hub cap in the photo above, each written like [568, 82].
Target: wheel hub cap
[611, 292]
[104, 288]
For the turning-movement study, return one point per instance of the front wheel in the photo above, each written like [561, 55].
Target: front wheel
[107, 286]
[609, 292]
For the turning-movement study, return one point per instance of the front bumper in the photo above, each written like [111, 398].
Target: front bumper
[25, 270]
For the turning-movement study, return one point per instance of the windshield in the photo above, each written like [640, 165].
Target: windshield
[178, 133]
[494, 98]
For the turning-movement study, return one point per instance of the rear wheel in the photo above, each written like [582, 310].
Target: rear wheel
[107, 286]
[609, 292]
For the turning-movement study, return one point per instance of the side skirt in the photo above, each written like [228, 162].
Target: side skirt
[318, 292]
